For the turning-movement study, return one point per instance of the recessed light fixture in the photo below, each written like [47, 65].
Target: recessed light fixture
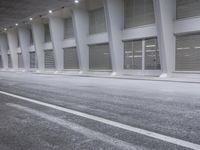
[16, 24]
[30, 19]
[5, 29]
[76, 1]
[50, 11]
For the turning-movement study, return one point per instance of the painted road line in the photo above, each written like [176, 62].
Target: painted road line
[158, 136]
[91, 134]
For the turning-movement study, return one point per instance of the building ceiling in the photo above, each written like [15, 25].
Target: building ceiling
[13, 11]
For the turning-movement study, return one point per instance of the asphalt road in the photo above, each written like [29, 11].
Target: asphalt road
[167, 108]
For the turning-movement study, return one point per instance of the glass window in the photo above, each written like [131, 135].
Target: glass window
[99, 57]
[138, 13]
[152, 56]
[188, 52]
[133, 55]
[68, 28]
[187, 8]
[47, 35]
[97, 21]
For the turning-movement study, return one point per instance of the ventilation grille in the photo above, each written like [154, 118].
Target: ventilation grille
[68, 28]
[49, 59]
[99, 57]
[187, 8]
[188, 52]
[70, 58]
[97, 21]
[138, 13]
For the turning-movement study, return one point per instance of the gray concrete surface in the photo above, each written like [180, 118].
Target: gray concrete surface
[168, 108]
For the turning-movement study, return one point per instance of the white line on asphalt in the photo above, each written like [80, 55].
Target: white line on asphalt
[79, 129]
[158, 136]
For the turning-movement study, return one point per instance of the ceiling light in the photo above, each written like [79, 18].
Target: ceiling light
[50, 11]
[5, 29]
[30, 19]
[16, 24]
[76, 1]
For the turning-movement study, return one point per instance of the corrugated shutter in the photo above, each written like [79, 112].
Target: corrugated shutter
[33, 60]
[97, 21]
[49, 59]
[188, 52]
[68, 28]
[133, 55]
[47, 35]
[99, 57]
[138, 13]
[152, 56]
[70, 58]
[20, 60]
[1, 62]
[9, 61]
[187, 8]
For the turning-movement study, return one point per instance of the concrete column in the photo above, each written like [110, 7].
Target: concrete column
[4, 51]
[165, 15]
[24, 39]
[12, 42]
[114, 17]
[38, 38]
[81, 27]
[57, 33]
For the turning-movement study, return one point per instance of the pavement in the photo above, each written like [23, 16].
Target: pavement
[171, 109]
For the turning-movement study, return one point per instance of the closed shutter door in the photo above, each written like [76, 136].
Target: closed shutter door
[187, 8]
[138, 13]
[133, 55]
[33, 60]
[1, 62]
[152, 56]
[68, 28]
[20, 61]
[70, 58]
[188, 52]
[9, 61]
[99, 57]
[97, 21]
[49, 59]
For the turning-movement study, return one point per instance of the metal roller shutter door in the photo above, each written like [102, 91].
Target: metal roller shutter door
[99, 57]
[20, 60]
[188, 52]
[187, 8]
[33, 60]
[138, 13]
[9, 61]
[49, 59]
[70, 58]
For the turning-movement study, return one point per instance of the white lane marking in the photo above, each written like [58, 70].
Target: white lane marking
[158, 136]
[79, 129]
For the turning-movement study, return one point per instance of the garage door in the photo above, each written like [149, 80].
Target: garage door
[9, 61]
[99, 57]
[70, 58]
[49, 59]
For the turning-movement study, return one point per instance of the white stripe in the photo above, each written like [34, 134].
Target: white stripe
[79, 129]
[165, 138]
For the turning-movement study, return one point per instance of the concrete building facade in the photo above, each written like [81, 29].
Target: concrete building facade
[129, 37]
